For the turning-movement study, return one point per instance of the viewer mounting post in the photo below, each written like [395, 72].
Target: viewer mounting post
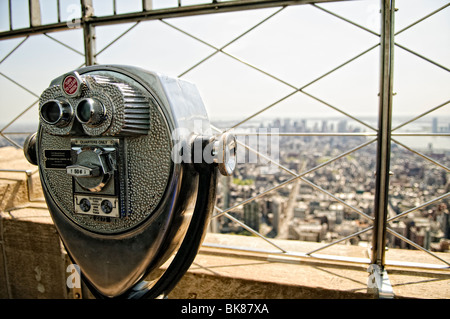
[381, 285]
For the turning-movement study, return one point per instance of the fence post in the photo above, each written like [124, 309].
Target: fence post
[383, 147]
[87, 11]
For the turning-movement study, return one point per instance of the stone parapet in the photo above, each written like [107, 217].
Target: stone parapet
[33, 264]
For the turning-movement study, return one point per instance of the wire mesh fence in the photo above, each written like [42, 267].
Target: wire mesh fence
[303, 76]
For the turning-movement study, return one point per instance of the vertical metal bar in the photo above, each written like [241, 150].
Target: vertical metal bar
[87, 11]
[34, 9]
[30, 188]
[58, 8]
[10, 15]
[147, 5]
[384, 132]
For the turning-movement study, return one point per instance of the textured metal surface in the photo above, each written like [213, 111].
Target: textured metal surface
[164, 205]
[55, 93]
[147, 165]
[129, 104]
[133, 115]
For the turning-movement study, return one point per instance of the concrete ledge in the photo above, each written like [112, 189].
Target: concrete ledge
[32, 259]
[322, 278]
[229, 277]
[33, 265]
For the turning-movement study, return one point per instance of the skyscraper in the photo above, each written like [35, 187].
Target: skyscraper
[435, 125]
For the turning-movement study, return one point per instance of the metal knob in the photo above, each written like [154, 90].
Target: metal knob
[29, 149]
[224, 149]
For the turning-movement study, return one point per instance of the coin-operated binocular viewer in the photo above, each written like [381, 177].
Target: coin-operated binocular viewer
[129, 168]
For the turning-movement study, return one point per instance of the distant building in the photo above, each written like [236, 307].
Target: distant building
[342, 126]
[251, 215]
[435, 125]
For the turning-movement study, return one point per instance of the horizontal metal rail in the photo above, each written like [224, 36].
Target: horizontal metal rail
[174, 12]
[300, 257]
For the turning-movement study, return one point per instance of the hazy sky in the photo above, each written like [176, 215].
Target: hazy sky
[298, 44]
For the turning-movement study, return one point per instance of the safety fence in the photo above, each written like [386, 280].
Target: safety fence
[331, 63]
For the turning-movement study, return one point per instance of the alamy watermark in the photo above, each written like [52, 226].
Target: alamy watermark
[259, 146]
[74, 15]
[74, 278]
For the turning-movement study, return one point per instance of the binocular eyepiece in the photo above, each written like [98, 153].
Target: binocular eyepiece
[129, 167]
[55, 112]
[90, 112]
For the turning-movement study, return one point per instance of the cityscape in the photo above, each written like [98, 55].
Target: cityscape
[335, 198]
